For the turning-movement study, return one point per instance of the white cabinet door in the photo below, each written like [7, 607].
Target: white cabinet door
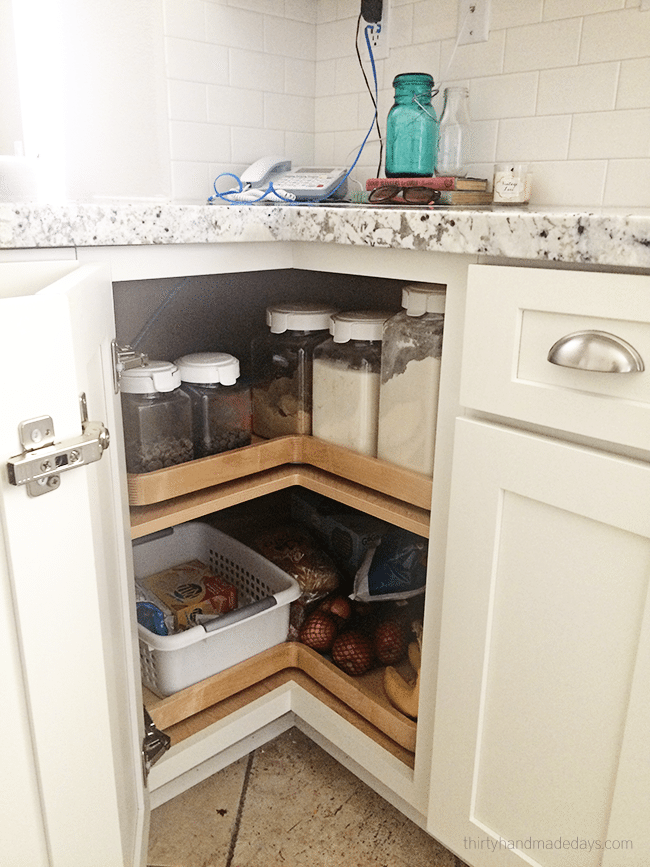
[75, 693]
[540, 743]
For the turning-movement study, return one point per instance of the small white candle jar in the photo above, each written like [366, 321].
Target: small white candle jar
[512, 184]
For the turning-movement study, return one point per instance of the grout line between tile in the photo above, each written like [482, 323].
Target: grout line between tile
[240, 810]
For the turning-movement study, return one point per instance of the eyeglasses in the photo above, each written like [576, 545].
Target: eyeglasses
[411, 195]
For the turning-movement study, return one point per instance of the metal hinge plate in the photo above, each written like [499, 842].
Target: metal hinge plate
[125, 358]
[40, 465]
[154, 744]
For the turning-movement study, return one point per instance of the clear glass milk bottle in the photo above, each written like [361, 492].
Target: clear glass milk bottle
[157, 417]
[282, 368]
[454, 134]
[346, 381]
[411, 128]
[221, 403]
[410, 377]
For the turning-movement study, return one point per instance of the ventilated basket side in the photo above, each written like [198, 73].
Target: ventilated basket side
[172, 662]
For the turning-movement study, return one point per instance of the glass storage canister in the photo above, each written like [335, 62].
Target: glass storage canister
[454, 134]
[346, 381]
[411, 128]
[221, 404]
[157, 417]
[410, 378]
[282, 368]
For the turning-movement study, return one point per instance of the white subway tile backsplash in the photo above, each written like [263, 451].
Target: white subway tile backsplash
[528, 139]
[326, 11]
[472, 61]
[542, 46]
[570, 183]
[577, 88]
[325, 77]
[336, 112]
[611, 134]
[199, 142]
[335, 39]
[196, 61]
[554, 9]
[268, 7]
[401, 26]
[256, 70]
[288, 113]
[503, 96]
[348, 77]
[289, 38]
[434, 21]
[628, 183]
[483, 148]
[514, 13]
[299, 148]
[324, 149]
[634, 84]
[412, 58]
[230, 105]
[300, 10]
[563, 84]
[615, 36]
[184, 19]
[249, 145]
[299, 77]
[234, 28]
[191, 182]
[188, 101]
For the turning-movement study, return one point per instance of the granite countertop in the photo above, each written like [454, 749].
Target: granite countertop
[591, 237]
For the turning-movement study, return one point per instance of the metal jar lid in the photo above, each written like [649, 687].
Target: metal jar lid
[152, 377]
[298, 317]
[358, 325]
[209, 368]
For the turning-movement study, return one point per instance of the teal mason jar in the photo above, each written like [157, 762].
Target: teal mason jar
[411, 128]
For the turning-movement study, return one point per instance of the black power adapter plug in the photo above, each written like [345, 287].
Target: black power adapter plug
[371, 11]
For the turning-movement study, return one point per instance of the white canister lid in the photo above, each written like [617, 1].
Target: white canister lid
[423, 298]
[151, 377]
[209, 368]
[298, 317]
[358, 325]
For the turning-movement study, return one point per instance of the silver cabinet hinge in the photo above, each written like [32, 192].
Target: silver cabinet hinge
[125, 358]
[154, 744]
[43, 460]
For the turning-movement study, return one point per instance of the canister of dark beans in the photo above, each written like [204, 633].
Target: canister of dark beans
[221, 402]
[157, 417]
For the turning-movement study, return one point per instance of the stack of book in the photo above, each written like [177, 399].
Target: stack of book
[452, 191]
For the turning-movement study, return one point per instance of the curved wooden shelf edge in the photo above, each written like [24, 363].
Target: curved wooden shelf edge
[171, 482]
[363, 694]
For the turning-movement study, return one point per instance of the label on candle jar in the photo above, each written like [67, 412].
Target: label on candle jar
[512, 184]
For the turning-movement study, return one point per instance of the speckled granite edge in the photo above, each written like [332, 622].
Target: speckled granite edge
[598, 238]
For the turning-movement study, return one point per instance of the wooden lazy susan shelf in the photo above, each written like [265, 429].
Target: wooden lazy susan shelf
[364, 696]
[186, 492]
[191, 490]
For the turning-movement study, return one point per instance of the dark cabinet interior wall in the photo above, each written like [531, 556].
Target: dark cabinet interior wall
[172, 317]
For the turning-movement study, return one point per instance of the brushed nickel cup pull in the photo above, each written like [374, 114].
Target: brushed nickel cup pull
[598, 351]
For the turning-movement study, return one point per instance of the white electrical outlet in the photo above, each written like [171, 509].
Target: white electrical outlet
[378, 34]
[473, 21]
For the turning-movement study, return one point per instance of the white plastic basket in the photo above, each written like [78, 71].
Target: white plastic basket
[172, 662]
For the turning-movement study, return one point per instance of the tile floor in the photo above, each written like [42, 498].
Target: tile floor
[288, 804]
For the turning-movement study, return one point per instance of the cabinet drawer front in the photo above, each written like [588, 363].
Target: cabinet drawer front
[514, 318]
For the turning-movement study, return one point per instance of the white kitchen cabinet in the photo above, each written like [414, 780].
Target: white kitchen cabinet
[541, 708]
[92, 672]
[543, 704]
